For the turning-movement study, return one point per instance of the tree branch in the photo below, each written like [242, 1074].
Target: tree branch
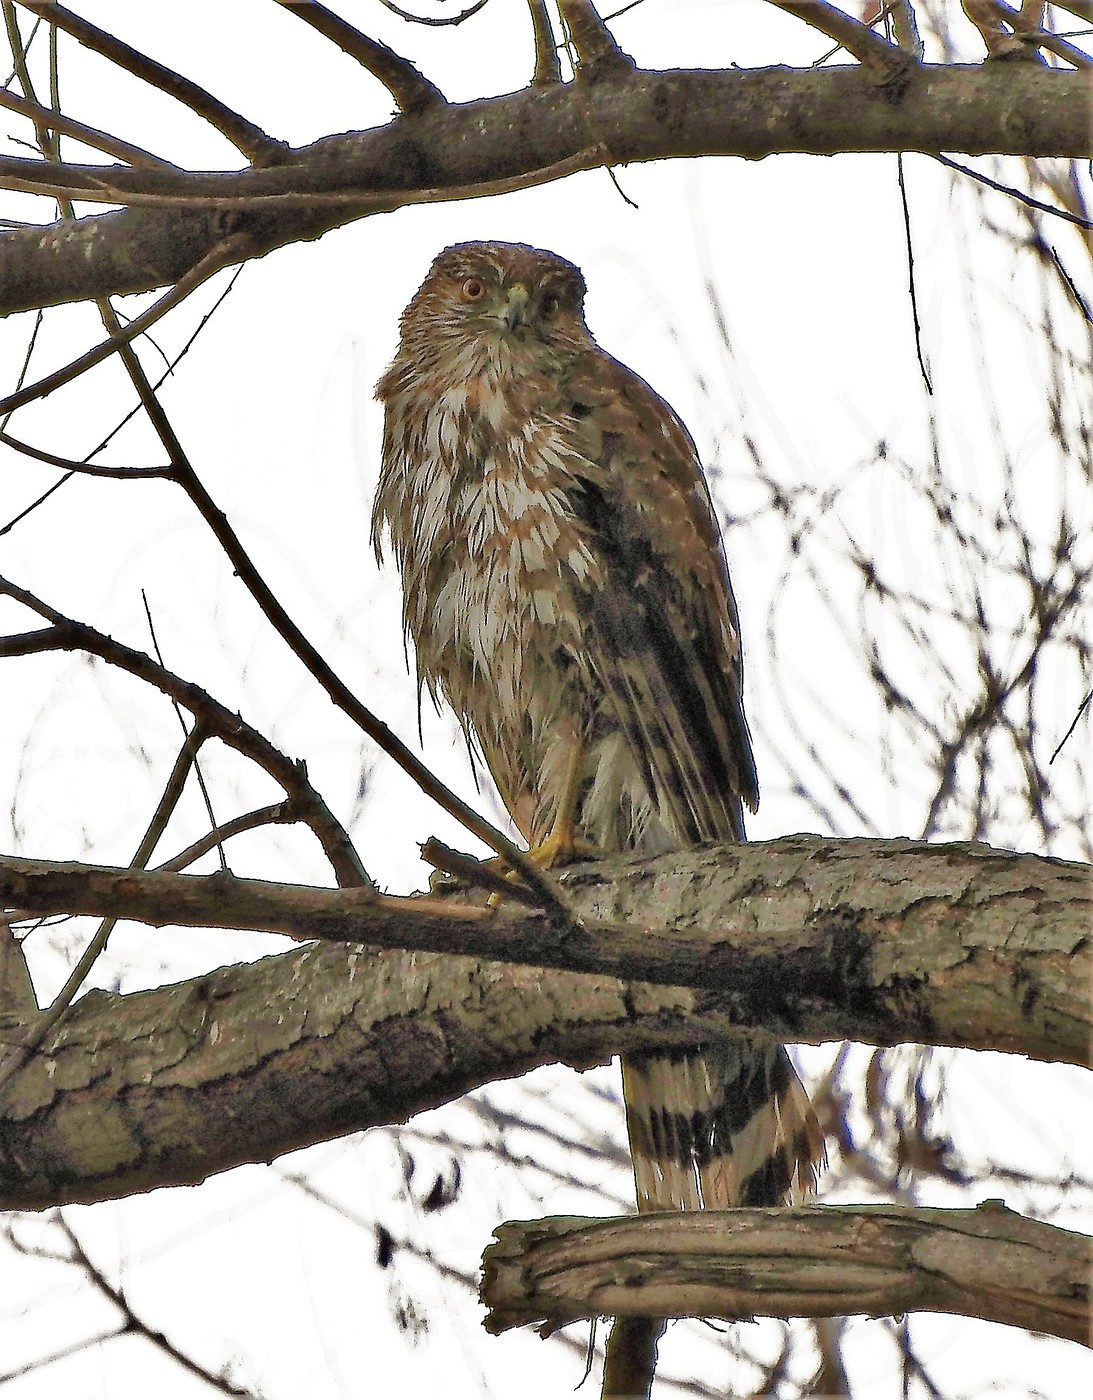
[243, 134]
[820, 1261]
[806, 938]
[803, 938]
[597, 53]
[46, 117]
[881, 58]
[411, 90]
[216, 720]
[541, 133]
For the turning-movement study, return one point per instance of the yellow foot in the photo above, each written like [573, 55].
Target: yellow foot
[559, 848]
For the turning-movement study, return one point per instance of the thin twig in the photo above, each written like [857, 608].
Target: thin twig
[227, 251]
[911, 273]
[278, 814]
[65, 634]
[22, 1049]
[182, 723]
[1073, 725]
[1015, 194]
[437, 21]
[88, 135]
[255, 144]
[1079, 300]
[75, 468]
[190, 188]
[134, 1324]
[412, 91]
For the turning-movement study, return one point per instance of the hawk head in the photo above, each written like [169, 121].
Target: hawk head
[506, 299]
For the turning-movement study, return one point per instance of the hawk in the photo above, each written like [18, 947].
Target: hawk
[566, 591]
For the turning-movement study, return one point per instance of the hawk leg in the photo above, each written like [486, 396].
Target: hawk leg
[561, 843]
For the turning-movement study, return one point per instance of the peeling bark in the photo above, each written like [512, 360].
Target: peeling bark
[821, 1261]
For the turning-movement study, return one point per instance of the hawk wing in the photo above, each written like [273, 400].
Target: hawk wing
[661, 623]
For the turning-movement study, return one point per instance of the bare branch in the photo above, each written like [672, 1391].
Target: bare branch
[1019, 195]
[541, 133]
[89, 135]
[841, 951]
[819, 1261]
[278, 813]
[882, 59]
[225, 253]
[26, 1044]
[548, 66]
[255, 144]
[435, 21]
[217, 720]
[412, 91]
[598, 55]
[82, 468]
[135, 1326]
[252, 1061]
[1028, 32]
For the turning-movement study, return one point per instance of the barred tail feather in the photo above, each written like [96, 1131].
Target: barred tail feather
[727, 1125]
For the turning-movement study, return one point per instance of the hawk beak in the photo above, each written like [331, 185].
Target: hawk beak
[515, 307]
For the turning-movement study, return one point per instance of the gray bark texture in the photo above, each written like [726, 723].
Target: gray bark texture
[804, 938]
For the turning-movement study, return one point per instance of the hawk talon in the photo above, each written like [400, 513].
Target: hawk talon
[559, 848]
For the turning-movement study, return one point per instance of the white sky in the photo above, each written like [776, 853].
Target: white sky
[274, 406]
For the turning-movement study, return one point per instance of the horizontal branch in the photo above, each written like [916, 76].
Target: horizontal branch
[803, 938]
[528, 137]
[806, 938]
[821, 1261]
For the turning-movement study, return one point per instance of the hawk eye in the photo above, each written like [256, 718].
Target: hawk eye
[549, 304]
[473, 289]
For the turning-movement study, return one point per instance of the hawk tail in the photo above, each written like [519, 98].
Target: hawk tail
[727, 1125]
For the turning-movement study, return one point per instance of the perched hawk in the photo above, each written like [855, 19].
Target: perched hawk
[567, 594]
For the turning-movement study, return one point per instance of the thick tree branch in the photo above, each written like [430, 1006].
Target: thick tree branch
[823, 1261]
[805, 938]
[537, 134]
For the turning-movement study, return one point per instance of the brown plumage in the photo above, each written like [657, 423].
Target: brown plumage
[566, 591]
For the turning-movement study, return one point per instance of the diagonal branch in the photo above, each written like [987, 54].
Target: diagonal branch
[133, 1324]
[872, 52]
[26, 1044]
[64, 634]
[229, 250]
[598, 54]
[412, 91]
[245, 135]
[255, 144]
[90, 136]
